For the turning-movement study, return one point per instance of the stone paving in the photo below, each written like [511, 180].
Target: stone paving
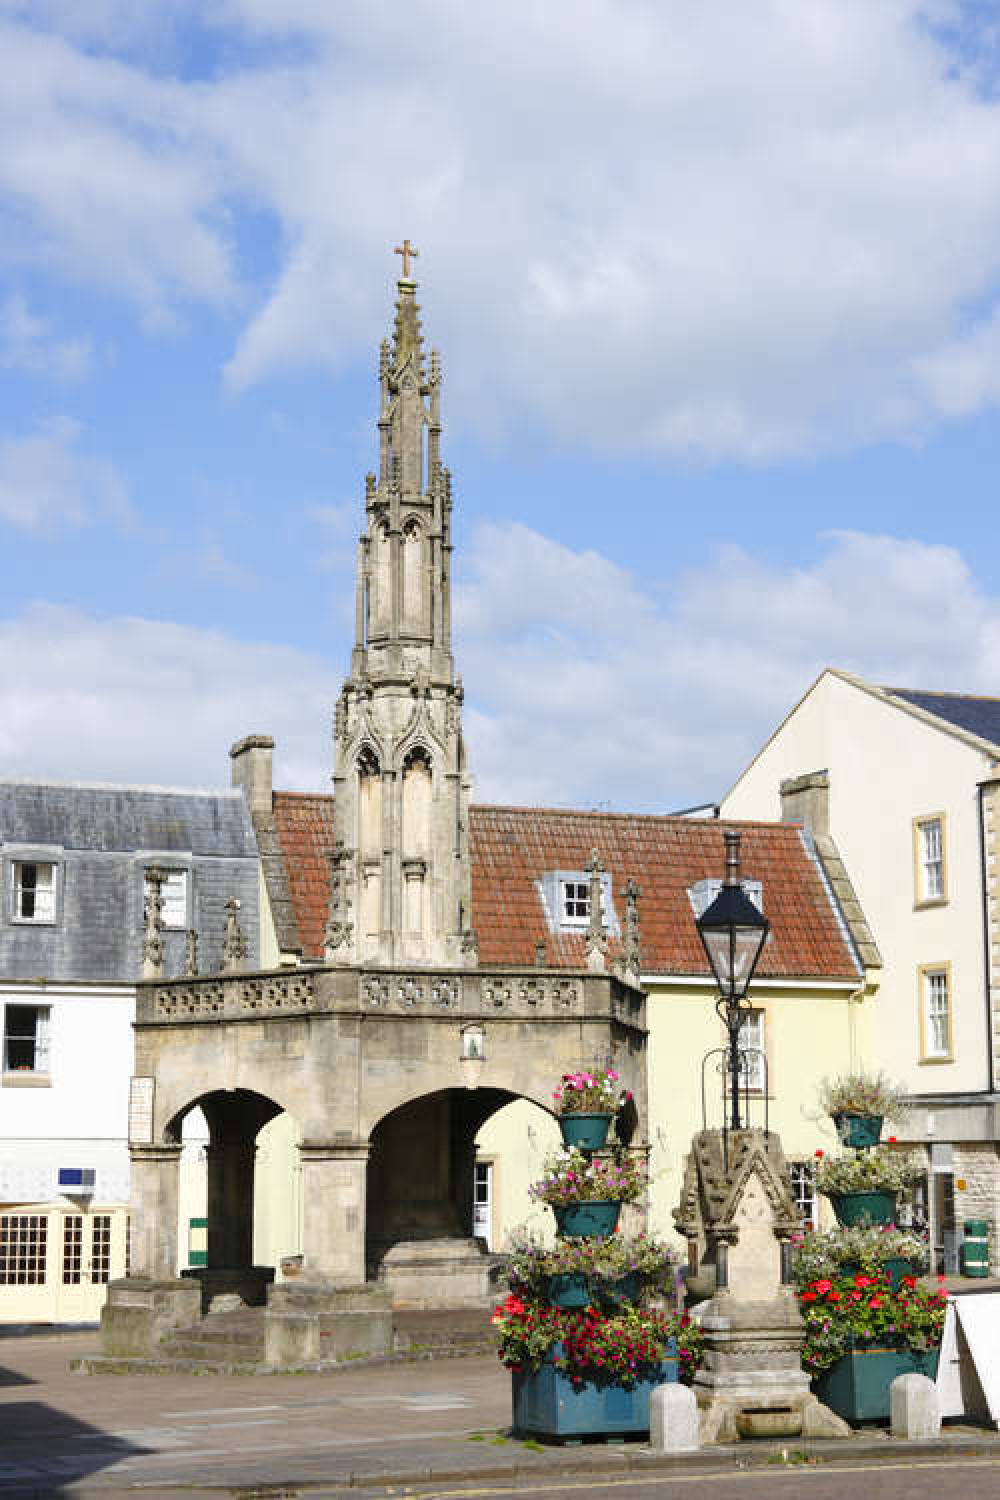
[442, 1421]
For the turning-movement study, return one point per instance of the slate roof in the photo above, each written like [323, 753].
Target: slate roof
[120, 819]
[977, 715]
[512, 848]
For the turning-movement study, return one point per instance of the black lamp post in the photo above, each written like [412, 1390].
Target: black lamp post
[733, 932]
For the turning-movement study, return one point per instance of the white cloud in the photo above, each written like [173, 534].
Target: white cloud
[27, 344]
[150, 701]
[48, 485]
[583, 689]
[730, 231]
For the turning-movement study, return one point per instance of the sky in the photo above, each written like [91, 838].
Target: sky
[717, 293]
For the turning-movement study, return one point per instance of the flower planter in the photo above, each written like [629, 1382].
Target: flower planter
[546, 1403]
[625, 1289]
[856, 1386]
[895, 1266]
[578, 1221]
[859, 1131]
[569, 1289]
[586, 1132]
[864, 1208]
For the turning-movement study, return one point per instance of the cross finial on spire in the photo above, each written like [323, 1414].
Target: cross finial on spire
[406, 250]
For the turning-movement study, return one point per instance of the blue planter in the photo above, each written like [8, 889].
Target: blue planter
[569, 1289]
[547, 1404]
[578, 1221]
[856, 1386]
[587, 1132]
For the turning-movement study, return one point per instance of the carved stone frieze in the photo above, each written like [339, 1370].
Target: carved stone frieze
[213, 998]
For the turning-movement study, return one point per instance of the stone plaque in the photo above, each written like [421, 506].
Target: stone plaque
[140, 1111]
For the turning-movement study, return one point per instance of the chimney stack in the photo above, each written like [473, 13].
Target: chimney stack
[806, 800]
[251, 758]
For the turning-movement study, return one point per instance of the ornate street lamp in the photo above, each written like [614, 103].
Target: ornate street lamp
[733, 933]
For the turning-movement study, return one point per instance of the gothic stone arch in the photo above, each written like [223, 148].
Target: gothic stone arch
[343, 1047]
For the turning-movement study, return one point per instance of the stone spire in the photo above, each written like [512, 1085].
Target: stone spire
[400, 885]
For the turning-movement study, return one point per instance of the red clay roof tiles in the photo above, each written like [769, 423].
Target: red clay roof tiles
[512, 848]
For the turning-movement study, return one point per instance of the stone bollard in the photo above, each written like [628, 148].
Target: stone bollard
[914, 1408]
[673, 1419]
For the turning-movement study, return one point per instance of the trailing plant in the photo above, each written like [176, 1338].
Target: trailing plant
[531, 1262]
[817, 1255]
[864, 1094]
[858, 1312]
[594, 1092]
[879, 1171]
[570, 1176]
[622, 1347]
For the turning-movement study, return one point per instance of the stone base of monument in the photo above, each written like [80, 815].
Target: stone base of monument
[224, 1290]
[751, 1383]
[308, 1322]
[437, 1273]
[140, 1312]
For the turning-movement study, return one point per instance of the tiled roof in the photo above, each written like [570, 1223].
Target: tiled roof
[979, 716]
[512, 848]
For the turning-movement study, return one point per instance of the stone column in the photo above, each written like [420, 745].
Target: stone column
[154, 1205]
[333, 1197]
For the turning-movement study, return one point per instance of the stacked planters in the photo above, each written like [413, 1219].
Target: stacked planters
[584, 1347]
[867, 1317]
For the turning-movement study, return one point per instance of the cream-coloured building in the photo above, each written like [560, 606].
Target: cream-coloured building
[908, 784]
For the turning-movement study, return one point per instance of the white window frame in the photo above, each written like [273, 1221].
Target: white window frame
[40, 1040]
[936, 1013]
[753, 1033]
[574, 903]
[47, 917]
[930, 859]
[558, 887]
[802, 1182]
[175, 893]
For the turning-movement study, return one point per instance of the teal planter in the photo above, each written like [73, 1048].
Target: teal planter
[578, 1221]
[626, 1289]
[894, 1266]
[587, 1132]
[856, 1386]
[546, 1403]
[569, 1289]
[859, 1131]
[863, 1208]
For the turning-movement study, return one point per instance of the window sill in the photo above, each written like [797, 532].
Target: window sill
[34, 921]
[930, 1062]
[930, 903]
[26, 1080]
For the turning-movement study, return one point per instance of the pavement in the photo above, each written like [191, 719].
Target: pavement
[438, 1423]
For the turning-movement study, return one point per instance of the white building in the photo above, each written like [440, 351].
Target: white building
[908, 784]
[72, 878]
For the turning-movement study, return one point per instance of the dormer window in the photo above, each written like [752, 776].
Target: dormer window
[566, 898]
[34, 891]
[703, 893]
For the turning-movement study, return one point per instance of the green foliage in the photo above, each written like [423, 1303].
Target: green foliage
[593, 1091]
[858, 1312]
[532, 1262]
[570, 1176]
[587, 1345]
[882, 1170]
[863, 1094]
[816, 1255]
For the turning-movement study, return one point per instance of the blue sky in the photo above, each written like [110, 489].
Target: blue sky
[716, 291]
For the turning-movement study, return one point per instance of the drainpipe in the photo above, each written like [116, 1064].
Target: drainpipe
[984, 874]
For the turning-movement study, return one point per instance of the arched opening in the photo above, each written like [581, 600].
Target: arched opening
[239, 1192]
[380, 596]
[454, 1165]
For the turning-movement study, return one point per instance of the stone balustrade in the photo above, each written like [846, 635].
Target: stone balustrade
[540, 994]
